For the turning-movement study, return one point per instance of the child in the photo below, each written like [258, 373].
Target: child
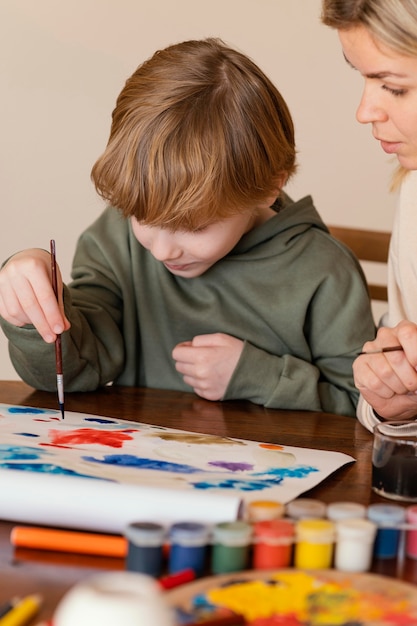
[206, 276]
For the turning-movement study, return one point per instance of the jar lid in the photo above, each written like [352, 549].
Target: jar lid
[273, 528]
[264, 510]
[411, 513]
[386, 514]
[189, 533]
[145, 533]
[345, 510]
[315, 530]
[356, 528]
[306, 508]
[232, 533]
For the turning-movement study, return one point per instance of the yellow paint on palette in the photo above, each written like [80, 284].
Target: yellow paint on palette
[308, 600]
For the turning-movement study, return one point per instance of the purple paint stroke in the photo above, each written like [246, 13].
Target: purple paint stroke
[232, 465]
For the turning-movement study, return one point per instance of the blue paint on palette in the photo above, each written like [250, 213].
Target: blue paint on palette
[27, 434]
[129, 460]
[47, 468]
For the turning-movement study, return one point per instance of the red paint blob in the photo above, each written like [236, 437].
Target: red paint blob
[80, 436]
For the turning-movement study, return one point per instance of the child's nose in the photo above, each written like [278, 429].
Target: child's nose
[164, 247]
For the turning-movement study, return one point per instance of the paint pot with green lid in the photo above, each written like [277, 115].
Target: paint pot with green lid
[230, 549]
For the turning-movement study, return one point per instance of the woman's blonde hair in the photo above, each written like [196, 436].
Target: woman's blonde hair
[199, 133]
[392, 22]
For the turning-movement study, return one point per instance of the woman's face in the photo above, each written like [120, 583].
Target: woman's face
[389, 99]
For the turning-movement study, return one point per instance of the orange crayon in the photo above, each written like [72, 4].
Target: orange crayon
[68, 541]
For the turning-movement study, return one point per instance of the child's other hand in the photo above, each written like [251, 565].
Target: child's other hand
[27, 296]
[208, 362]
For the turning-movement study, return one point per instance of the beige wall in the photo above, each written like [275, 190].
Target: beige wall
[63, 64]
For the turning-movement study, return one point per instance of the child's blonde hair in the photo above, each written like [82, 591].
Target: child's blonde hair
[199, 133]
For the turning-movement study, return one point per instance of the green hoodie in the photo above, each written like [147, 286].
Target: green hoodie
[294, 294]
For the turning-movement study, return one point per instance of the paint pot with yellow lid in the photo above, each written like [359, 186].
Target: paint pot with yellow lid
[314, 543]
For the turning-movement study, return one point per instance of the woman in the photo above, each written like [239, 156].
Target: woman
[379, 40]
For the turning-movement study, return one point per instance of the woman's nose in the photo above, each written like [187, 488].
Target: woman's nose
[370, 109]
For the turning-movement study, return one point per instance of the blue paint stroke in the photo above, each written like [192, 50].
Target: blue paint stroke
[48, 468]
[19, 453]
[296, 471]
[100, 420]
[239, 485]
[232, 466]
[26, 434]
[129, 460]
[24, 410]
[259, 481]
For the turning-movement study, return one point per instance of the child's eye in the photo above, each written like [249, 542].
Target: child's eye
[395, 92]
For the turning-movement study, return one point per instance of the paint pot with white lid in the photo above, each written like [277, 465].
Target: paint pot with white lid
[111, 598]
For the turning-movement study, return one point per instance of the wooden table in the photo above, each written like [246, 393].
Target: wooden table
[52, 574]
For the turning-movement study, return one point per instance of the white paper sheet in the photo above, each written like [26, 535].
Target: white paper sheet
[97, 473]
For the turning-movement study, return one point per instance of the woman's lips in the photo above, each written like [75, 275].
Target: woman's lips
[390, 147]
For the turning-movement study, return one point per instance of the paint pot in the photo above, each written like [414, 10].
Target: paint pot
[188, 541]
[314, 543]
[113, 598]
[411, 537]
[387, 517]
[394, 461]
[262, 510]
[230, 549]
[354, 544]
[273, 541]
[145, 548]
[306, 508]
[345, 510]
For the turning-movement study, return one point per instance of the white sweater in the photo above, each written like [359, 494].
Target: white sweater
[402, 273]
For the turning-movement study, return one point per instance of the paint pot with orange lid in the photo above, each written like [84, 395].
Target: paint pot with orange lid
[261, 510]
[273, 541]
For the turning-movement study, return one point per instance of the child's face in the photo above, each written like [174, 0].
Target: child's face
[190, 254]
[389, 99]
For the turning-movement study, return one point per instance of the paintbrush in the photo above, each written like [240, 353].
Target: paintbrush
[388, 349]
[58, 346]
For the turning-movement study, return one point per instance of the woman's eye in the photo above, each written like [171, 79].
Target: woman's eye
[395, 92]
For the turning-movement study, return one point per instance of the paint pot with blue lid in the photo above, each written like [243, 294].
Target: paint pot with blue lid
[145, 548]
[388, 518]
[188, 547]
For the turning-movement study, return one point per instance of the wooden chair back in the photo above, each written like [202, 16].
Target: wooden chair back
[367, 245]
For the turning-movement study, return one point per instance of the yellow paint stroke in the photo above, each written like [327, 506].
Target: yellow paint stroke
[312, 601]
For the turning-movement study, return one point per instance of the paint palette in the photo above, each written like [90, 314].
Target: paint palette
[292, 597]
